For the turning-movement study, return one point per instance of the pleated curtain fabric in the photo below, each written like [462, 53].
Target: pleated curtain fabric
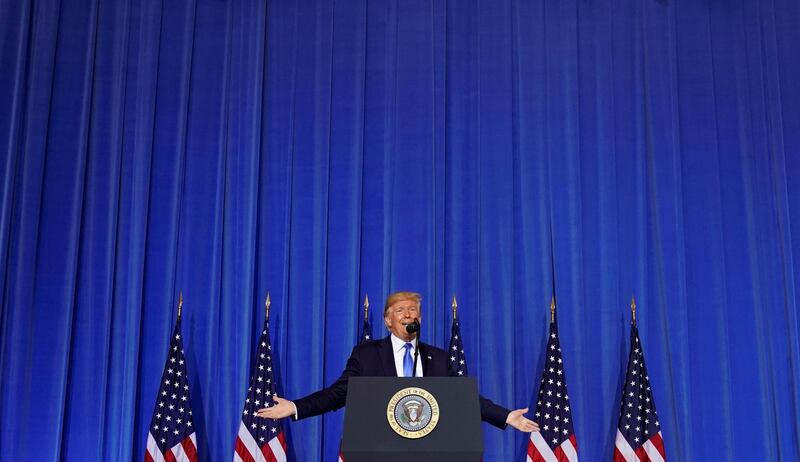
[322, 150]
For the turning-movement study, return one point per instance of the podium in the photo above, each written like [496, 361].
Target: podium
[372, 405]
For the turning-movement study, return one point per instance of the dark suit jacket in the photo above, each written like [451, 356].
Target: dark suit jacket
[376, 358]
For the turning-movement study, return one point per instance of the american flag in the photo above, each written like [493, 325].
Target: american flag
[260, 439]
[556, 441]
[366, 330]
[458, 360]
[639, 436]
[366, 336]
[171, 436]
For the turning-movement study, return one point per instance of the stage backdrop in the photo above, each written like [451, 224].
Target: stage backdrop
[323, 150]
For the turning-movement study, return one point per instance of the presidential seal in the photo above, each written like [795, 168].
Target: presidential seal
[412, 412]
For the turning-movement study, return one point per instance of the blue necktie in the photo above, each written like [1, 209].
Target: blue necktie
[408, 363]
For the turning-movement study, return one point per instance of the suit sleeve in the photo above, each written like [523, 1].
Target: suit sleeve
[490, 412]
[330, 398]
[493, 413]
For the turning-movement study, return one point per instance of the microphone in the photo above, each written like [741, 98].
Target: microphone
[413, 327]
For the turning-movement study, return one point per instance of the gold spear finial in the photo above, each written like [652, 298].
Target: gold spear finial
[266, 305]
[180, 303]
[633, 308]
[553, 309]
[366, 306]
[455, 307]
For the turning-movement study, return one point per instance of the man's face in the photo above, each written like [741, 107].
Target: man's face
[400, 315]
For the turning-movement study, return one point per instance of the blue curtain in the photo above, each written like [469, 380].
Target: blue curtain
[324, 150]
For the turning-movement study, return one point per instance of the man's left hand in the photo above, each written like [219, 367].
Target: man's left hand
[517, 419]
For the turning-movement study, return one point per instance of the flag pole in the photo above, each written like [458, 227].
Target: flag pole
[366, 306]
[455, 307]
[553, 309]
[633, 309]
[180, 303]
[266, 305]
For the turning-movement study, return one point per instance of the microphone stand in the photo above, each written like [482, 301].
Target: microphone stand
[416, 350]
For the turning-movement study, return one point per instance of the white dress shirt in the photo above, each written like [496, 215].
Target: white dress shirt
[398, 346]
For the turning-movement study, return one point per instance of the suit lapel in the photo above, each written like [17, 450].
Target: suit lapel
[387, 358]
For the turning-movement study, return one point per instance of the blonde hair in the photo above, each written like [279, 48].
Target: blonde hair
[400, 297]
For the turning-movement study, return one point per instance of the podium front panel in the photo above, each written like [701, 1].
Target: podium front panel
[368, 435]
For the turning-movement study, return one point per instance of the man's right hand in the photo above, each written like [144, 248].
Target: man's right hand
[282, 408]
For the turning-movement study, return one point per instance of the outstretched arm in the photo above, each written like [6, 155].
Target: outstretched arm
[328, 399]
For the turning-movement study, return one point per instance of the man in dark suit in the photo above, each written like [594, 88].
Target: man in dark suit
[391, 356]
